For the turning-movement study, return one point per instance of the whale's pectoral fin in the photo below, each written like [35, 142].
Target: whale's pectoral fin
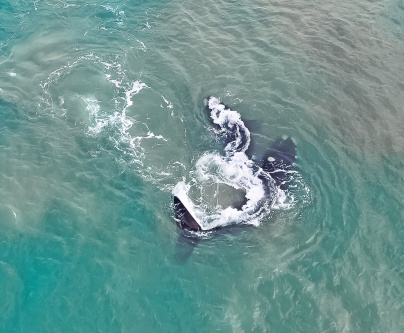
[185, 243]
[184, 218]
[185, 247]
[278, 161]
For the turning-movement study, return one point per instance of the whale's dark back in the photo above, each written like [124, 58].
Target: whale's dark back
[278, 161]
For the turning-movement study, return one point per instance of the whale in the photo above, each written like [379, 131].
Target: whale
[277, 163]
[274, 170]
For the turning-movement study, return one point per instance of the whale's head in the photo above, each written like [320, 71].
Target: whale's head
[278, 161]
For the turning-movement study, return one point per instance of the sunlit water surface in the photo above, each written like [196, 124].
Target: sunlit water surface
[101, 115]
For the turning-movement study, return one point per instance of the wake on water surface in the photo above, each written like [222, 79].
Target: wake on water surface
[223, 188]
[232, 188]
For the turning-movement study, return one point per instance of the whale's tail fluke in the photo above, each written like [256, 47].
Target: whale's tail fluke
[184, 218]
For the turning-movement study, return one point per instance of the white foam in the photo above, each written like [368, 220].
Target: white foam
[118, 120]
[169, 104]
[119, 125]
[234, 169]
[110, 8]
[230, 121]
[284, 200]
[150, 135]
[97, 122]
[136, 87]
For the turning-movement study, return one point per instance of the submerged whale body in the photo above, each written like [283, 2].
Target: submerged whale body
[263, 177]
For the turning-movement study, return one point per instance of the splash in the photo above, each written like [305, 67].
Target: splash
[216, 176]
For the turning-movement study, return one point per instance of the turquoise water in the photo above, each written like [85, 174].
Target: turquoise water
[101, 115]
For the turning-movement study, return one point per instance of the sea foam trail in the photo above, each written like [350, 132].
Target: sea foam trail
[234, 169]
[232, 128]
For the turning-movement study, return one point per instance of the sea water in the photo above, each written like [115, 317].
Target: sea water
[102, 115]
